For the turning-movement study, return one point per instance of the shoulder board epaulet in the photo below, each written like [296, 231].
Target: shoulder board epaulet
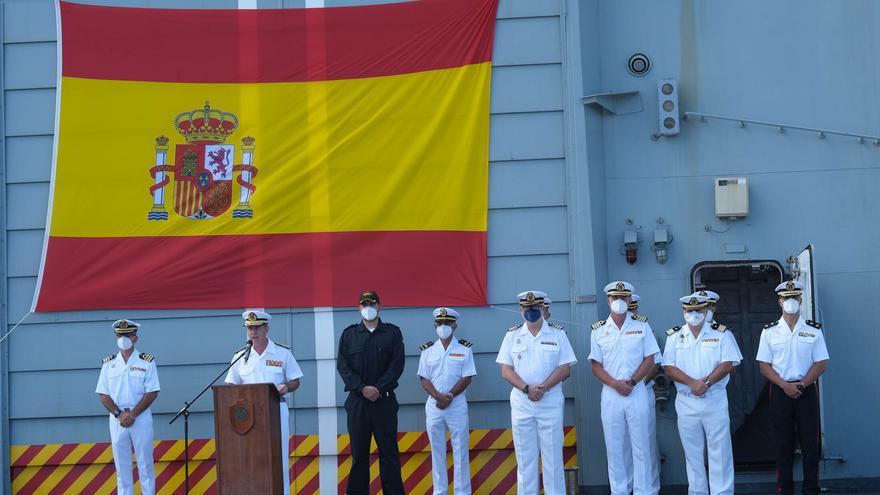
[771, 324]
[282, 345]
[672, 330]
[514, 327]
[718, 327]
[814, 324]
[147, 357]
[597, 324]
[640, 318]
[466, 343]
[108, 358]
[555, 325]
[426, 345]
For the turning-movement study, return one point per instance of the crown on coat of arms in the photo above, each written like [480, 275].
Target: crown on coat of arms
[207, 124]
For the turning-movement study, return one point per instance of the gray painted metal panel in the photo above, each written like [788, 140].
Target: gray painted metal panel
[28, 21]
[31, 200]
[29, 65]
[509, 274]
[28, 159]
[527, 136]
[509, 231]
[546, 183]
[30, 112]
[23, 251]
[526, 88]
[527, 41]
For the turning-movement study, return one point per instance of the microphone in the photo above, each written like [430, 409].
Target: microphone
[247, 353]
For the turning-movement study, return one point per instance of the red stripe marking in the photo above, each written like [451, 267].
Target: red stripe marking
[169, 472]
[67, 480]
[62, 452]
[195, 475]
[93, 453]
[311, 487]
[420, 472]
[420, 442]
[34, 483]
[487, 441]
[376, 484]
[162, 447]
[98, 481]
[139, 44]
[491, 465]
[507, 483]
[28, 455]
[403, 267]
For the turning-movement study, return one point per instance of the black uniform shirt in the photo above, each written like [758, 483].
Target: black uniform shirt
[367, 358]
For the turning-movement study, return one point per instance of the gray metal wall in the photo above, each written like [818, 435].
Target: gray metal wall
[796, 62]
[54, 359]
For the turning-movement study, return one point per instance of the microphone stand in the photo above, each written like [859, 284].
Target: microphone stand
[185, 413]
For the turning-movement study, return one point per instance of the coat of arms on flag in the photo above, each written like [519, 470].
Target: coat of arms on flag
[203, 168]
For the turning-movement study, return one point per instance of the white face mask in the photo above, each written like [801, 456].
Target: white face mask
[124, 343]
[791, 306]
[710, 315]
[694, 318]
[444, 332]
[369, 313]
[618, 306]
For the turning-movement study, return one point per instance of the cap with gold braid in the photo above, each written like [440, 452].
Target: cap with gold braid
[369, 296]
[619, 288]
[255, 317]
[445, 315]
[125, 327]
[531, 298]
[792, 288]
[694, 302]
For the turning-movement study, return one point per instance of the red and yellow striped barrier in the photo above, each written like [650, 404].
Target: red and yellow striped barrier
[87, 468]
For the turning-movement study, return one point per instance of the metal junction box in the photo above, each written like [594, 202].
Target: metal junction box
[731, 197]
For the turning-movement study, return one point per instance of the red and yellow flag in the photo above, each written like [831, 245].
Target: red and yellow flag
[272, 158]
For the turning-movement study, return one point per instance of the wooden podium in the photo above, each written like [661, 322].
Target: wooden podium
[247, 430]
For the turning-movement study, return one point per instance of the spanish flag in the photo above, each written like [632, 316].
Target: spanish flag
[270, 158]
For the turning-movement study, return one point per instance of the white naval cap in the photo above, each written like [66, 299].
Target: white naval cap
[125, 327]
[255, 317]
[446, 314]
[713, 296]
[694, 302]
[547, 301]
[619, 288]
[531, 298]
[789, 289]
[635, 298]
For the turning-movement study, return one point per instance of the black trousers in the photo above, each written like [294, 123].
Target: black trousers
[785, 414]
[377, 419]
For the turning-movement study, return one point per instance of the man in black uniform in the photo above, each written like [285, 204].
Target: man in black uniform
[371, 360]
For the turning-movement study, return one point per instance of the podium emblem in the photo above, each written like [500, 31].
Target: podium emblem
[241, 414]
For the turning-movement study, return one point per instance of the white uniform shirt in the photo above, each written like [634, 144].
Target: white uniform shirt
[126, 383]
[276, 365]
[534, 358]
[698, 356]
[622, 350]
[445, 367]
[792, 352]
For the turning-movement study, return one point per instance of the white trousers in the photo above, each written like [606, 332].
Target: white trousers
[703, 420]
[453, 419]
[285, 445]
[622, 415]
[655, 449]
[139, 437]
[537, 427]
